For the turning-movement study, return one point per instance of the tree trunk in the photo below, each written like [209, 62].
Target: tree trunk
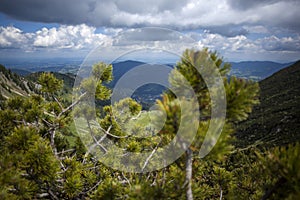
[188, 174]
[52, 142]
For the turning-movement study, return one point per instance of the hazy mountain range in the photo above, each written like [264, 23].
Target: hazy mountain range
[255, 70]
[146, 95]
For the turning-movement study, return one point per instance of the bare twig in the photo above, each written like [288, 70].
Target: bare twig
[92, 188]
[126, 179]
[154, 181]
[53, 195]
[48, 123]
[72, 105]
[94, 138]
[65, 151]
[149, 157]
[112, 135]
[59, 104]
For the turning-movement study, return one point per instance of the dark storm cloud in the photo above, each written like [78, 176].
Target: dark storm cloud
[150, 34]
[57, 11]
[228, 31]
[248, 4]
[145, 35]
[217, 16]
[149, 6]
[92, 12]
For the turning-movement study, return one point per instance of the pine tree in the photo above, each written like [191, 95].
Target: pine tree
[241, 95]
[42, 158]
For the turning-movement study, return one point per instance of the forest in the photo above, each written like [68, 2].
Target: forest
[56, 145]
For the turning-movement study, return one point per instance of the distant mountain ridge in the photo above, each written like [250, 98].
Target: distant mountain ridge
[256, 70]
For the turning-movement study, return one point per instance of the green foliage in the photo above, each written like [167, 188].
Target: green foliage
[108, 189]
[32, 162]
[7, 121]
[282, 163]
[49, 83]
[102, 72]
[241, 95]
[200, 68]
[42, 159]
[73, 182]
[93, 86]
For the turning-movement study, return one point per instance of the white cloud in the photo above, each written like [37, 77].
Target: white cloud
[11, 37]
[273, 43]
[227, 45]
[70, 37]
[77, 38]
[63, 37]
[275, 48]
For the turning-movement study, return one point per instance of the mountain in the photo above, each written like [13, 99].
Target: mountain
[120, 68]
[13, 84]
[21, 72]
[256, 70]
[50, 65]
[146, 94]
[276, 121]
[67, 78]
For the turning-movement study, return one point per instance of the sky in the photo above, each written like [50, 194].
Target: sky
[239, 30]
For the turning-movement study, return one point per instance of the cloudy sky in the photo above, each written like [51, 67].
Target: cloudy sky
[237, 29]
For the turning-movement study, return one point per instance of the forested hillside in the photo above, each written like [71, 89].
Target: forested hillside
[275, 121]
[12, 84]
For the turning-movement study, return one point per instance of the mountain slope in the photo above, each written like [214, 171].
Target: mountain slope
[67, 78]
[276, 121]
[13, 84]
